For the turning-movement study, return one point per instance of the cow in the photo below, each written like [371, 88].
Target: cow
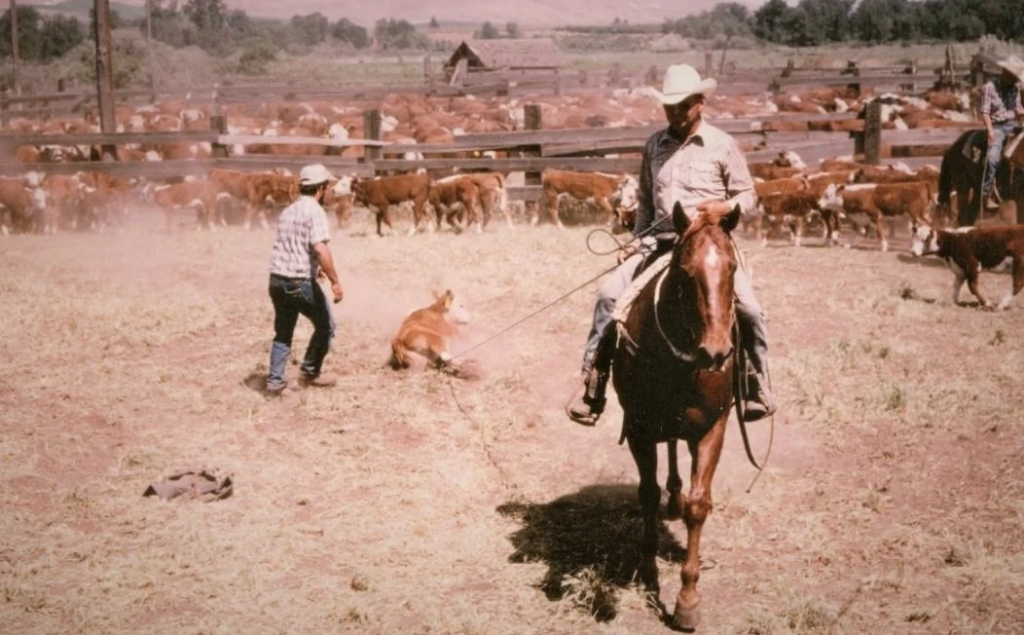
[425, 333]
[198, 195]
[492, 194]
[384, 191]
[277, 190]
[615, 194]
[875, 201]
[455, 191]
[968, 250]
[25, 207]
[794, 210]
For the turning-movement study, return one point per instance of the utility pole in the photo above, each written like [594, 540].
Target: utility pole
[14, 48]
[105, 75]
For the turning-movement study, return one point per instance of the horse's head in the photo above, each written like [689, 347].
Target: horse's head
[704, 254]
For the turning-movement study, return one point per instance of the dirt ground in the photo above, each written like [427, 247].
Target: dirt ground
[414, 503]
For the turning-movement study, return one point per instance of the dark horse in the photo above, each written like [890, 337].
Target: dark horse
[673, 373]
[963, 165]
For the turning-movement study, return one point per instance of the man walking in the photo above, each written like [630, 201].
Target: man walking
[299, 255]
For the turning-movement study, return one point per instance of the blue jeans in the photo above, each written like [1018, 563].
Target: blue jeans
[995, 153]
[292, 297]
[749, 314]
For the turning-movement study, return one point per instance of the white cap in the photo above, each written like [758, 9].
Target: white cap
[314, 174]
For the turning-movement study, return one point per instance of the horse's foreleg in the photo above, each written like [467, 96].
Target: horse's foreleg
[645, 454]
[674, 484]
[704, 455]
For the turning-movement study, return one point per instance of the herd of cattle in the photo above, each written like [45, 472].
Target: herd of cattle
[792, 195]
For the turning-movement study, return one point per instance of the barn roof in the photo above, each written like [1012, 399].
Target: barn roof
[498, 54]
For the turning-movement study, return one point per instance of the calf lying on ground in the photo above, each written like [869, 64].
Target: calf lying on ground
[968, 250]
[425, 333]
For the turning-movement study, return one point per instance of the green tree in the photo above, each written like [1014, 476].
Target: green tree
[60, 34]
[825, 20]
[488, 32]
[30, 41]
[512, 29]
[347, 31]
[207, 15]
[433, 23]
[311, 29]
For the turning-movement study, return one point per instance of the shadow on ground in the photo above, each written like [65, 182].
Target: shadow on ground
[590, 542]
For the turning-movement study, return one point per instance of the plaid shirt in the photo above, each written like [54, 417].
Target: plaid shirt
[708, 165]
[302, 225]
[1000, 102]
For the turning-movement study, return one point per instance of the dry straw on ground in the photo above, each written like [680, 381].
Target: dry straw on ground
[408, 503]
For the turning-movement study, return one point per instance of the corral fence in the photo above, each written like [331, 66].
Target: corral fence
[614, 150]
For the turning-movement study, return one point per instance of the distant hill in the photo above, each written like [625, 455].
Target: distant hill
[80, 8]
[526, 13]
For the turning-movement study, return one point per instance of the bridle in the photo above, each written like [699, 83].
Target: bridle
[682, 356]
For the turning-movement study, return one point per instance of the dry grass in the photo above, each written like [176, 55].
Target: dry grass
[409, 503]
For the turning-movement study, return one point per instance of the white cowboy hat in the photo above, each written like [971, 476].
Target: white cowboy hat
[314, 174]
[681, 81]
[1013, 64]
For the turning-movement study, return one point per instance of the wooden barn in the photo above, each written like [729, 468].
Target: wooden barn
[535, 54]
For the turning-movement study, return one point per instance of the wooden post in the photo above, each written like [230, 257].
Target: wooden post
[708, 63]
[977, 71]
[219, 124]
[149, 20]
[105, 76]
[559, 87]
[873, 133]
[790, 67]
[616, 78]
[14, 48]
[371, 130]
[532, 121]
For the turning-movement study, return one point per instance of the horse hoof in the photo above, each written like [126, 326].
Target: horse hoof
[673, 508]
[686, 619]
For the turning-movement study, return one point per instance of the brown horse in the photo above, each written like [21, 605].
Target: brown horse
[673, 372]
[963, 164]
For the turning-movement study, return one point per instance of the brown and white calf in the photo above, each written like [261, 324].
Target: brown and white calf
[795, 210]
[199, 196]
[615, 194]
[968, 250]
[381, 192]
[425, 333]
[870, 203]
[24, 206]
[453, 195]
[492, 194]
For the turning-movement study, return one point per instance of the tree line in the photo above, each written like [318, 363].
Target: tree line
[821, 22]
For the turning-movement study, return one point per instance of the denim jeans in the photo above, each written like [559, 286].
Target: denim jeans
[995, 153]
[749, 314]
[292, 298]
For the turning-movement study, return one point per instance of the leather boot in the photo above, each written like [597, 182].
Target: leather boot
[587, 409]
[760, 402]
[991, 202]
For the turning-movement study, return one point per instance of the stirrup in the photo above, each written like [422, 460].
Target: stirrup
[759, 403]
[587, 409]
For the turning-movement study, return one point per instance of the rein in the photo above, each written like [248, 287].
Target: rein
[678, 354]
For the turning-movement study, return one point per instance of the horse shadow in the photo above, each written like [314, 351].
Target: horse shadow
[590, 542]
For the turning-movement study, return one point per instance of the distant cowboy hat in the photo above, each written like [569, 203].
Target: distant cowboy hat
[314, 175]
[681, 81]
[1013, 64]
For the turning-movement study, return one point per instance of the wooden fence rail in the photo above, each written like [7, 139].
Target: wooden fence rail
[574, 149]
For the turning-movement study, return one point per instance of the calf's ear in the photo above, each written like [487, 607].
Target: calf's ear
[731, 219]
[449, 298]
[680, 221]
